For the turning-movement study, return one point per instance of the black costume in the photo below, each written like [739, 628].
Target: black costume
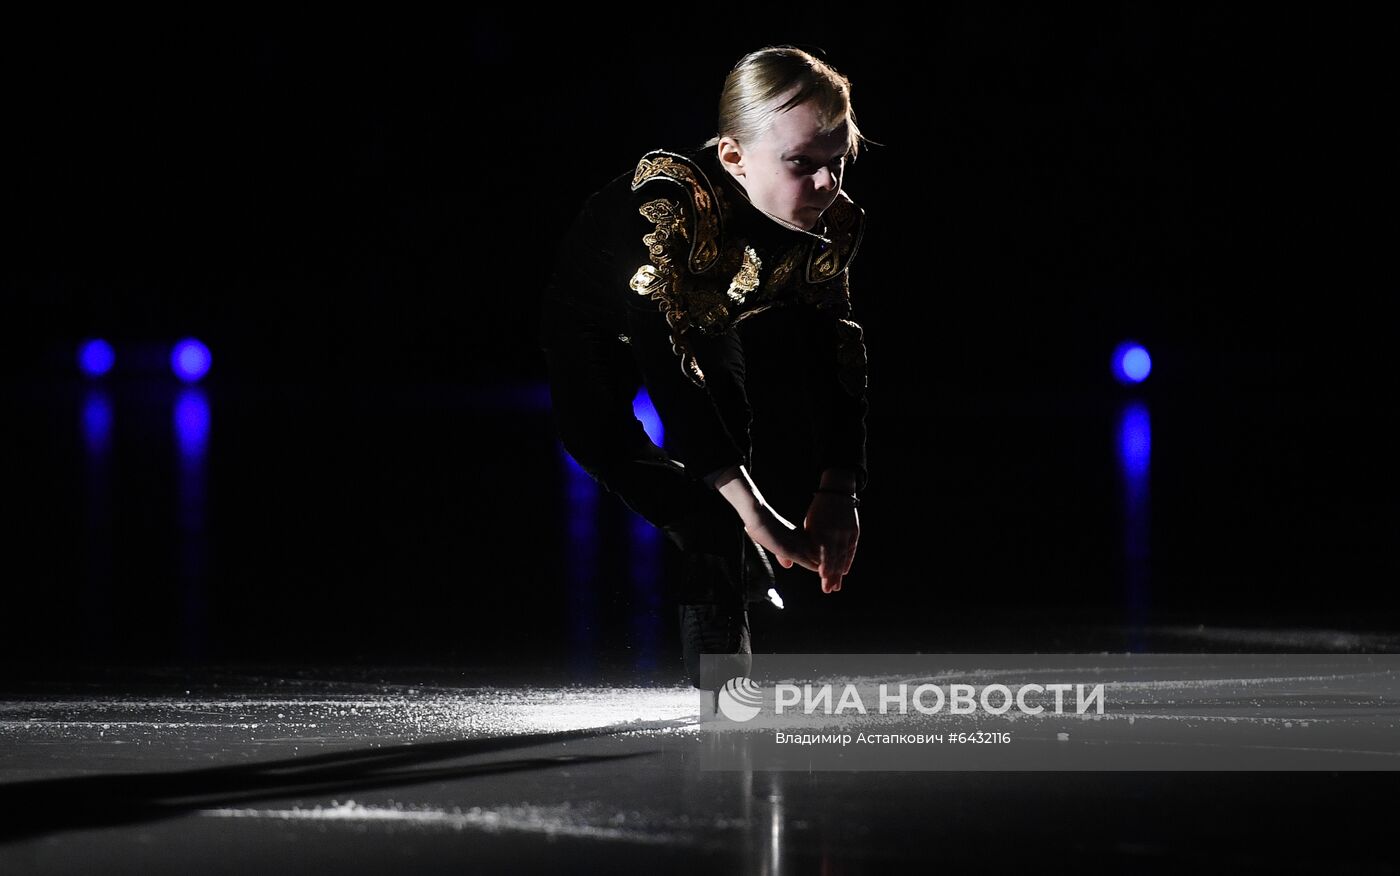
[651, 281]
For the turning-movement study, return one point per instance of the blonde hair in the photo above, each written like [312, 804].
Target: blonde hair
[749, 102]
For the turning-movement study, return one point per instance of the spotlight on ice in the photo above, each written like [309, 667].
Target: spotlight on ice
[190, 360]
[96, 357]
[1131, 364]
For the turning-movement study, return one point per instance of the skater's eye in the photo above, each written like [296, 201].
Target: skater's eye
[835, 165]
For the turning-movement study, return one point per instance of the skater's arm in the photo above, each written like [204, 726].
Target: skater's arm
[769, 528]
[835, 364]
[839, 428]
[697, 432]
[707, 425]
[691, 367]
[838, 406]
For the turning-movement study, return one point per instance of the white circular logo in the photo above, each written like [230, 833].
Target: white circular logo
[739, 699]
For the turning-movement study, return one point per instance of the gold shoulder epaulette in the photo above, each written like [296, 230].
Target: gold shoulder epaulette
[704, 243]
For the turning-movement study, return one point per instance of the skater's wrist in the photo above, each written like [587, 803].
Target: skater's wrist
[742, 494]
[838, 479]
[720, 477]
[743, 502]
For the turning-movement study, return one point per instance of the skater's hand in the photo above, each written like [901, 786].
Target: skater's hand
[785, 541]
[834, 527]
[767, 527]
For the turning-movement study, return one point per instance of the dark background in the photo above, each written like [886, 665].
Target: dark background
[358, 216]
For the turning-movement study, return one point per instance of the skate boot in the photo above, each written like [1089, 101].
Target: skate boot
[720, 629]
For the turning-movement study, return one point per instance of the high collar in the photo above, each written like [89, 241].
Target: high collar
[746, 219]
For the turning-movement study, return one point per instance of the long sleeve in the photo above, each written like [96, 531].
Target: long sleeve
[695, 378]
[838, 381]
[706, 427]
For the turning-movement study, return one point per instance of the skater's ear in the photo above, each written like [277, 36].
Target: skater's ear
[731, 156]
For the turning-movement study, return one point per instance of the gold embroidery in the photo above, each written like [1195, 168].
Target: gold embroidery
[669, 220]
[646, 281]
[701, 303]
[677, 168]
[670, 286]
[688, 300]
[782, 275]
[746, 280]
[845, 226]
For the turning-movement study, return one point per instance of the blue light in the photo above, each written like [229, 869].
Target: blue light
[643, 410]
[1134, 451]
[581, 561]
[97, 422]
[192, 423]
[190, 360]
[1131, 364]
[96, 357]
[645, 569]
[1135, 442]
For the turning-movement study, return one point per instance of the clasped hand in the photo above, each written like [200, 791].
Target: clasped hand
[826, 544]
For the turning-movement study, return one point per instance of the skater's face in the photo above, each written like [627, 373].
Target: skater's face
[793, 171]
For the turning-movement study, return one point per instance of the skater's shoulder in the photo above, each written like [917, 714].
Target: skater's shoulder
[676, 177]
[679, 174]
[682, 166]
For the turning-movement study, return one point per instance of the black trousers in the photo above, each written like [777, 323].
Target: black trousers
[593, 378]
